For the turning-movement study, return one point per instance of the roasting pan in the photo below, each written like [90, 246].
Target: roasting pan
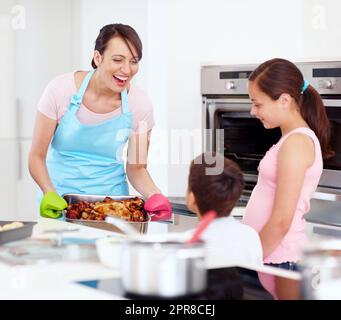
[141, 227]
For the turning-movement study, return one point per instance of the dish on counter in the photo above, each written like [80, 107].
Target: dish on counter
[11, 225]
[109, 251]
[14, 230]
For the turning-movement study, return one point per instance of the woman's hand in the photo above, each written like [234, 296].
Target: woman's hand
[51, 205]
[159, 207]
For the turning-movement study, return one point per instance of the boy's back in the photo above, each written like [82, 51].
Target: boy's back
[216, 183]
[234, 242]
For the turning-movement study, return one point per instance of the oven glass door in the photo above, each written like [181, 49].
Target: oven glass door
[245, 139]
[334, 116]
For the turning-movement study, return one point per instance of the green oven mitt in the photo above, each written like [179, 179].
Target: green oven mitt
[51, 205]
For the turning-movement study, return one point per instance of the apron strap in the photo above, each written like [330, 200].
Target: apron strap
[85, 84]
[78, 97]
[124, 101]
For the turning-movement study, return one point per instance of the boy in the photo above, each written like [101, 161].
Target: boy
[216, 183]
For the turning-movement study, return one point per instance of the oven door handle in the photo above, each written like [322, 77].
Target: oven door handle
[230, 106]
[243, 158]
[215, 106]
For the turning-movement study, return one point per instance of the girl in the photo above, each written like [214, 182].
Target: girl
[290, 171]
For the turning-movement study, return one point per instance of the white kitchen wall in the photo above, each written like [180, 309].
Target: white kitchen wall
[222, 32]
[157, 64]
[321, 34]
[244, 31]
[94, 15]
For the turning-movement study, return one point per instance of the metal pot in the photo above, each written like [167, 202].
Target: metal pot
[163, 268]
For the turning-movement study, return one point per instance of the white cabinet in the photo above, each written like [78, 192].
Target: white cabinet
[321, 231]
[18, 191]
[43, 50]
[27, 207]
[8, 178]
[37, 44]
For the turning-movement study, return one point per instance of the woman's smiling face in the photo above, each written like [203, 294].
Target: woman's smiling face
[117, 65]
[264, 108]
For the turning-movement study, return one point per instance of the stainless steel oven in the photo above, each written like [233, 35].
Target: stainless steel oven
[232, 131]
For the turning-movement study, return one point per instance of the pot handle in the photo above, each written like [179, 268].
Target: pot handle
[183, 254]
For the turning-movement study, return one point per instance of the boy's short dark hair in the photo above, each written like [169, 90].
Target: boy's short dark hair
[220, 191]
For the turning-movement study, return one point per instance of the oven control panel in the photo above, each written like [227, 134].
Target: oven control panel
[325, 77]
[231, 85]
[326, 84]
[225, 80]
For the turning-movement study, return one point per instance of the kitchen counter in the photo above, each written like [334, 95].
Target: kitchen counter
[324, 217]
[324, 212]
[179, 207]
[56, 280]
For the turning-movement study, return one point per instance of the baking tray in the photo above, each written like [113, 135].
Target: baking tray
[16, 234]
[141, 227]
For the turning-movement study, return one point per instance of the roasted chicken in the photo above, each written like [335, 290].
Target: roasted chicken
[131, 209]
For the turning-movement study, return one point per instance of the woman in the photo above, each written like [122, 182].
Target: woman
[290, 171]
[89, 116]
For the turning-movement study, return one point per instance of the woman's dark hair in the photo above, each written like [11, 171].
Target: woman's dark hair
[277, 76]
[127, 33]
[220, 191]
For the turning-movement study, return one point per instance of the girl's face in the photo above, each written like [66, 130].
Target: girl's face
[268, 111]
[117, 65]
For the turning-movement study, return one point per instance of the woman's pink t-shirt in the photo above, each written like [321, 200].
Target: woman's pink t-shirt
[58, 93]
[259, 207]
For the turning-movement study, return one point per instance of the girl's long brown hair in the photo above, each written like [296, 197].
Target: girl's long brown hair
[277, 76]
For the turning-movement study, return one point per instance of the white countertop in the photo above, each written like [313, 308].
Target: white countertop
[57, 280]
[238, 212]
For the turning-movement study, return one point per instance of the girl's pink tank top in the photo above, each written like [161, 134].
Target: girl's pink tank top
[259, 207]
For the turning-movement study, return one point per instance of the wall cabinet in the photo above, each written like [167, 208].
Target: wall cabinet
[36, 39]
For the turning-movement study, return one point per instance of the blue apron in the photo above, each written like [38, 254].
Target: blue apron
[87, 158]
